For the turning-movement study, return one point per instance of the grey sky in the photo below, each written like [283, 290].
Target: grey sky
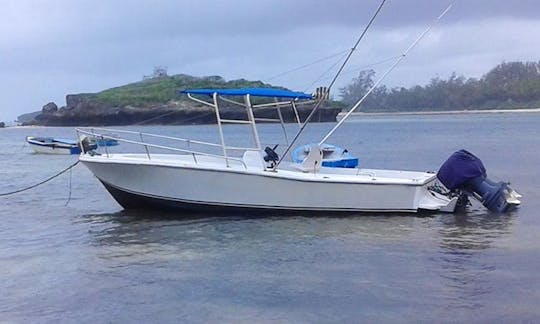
[51, 48]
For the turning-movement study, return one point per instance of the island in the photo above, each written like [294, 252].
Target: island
[156, 100]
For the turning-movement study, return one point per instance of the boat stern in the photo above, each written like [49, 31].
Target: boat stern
[434, 201]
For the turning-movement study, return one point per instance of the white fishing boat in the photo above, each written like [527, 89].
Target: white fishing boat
[53, 145]
[192, 179]
[253, 178]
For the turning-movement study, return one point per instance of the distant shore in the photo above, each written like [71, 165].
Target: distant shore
[404, 113]
[446, 112]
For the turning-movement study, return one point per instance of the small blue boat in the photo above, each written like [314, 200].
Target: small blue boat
[106, 142]
[52, 145]
[333, 156]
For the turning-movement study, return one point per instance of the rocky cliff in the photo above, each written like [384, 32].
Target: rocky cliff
[91, 113]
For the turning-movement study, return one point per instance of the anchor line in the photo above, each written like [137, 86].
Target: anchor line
[70, 186]
[41, 182]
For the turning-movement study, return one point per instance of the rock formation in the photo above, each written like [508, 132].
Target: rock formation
[49, 108]
[81, 111]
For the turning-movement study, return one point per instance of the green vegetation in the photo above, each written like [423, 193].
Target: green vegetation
[508, 85]
[163, 89]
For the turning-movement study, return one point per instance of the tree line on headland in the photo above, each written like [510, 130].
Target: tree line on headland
[508, 85]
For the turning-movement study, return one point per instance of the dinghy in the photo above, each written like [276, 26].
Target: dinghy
[53, 145]
[106, 140]
[333, 156]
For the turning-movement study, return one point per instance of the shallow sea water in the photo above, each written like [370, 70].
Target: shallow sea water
[91, 262]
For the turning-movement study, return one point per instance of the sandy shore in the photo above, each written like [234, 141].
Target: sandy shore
[446, 112]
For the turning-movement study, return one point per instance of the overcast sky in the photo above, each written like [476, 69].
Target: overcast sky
[51, 48]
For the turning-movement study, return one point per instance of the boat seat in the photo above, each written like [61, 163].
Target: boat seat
[253, 160]
[313, 160]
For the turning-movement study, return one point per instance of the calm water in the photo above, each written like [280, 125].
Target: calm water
[90, 262]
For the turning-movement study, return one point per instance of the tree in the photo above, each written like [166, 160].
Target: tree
[351, 93]
[360, 85]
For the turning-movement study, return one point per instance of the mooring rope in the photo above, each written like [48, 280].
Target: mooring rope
[40, 183]
[70, 185]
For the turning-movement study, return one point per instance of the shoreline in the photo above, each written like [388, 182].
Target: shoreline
[341, 114]
[445, 112]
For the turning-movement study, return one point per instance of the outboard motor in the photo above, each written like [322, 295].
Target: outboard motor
[465, 172]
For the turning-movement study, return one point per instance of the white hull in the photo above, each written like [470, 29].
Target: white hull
[178, 180]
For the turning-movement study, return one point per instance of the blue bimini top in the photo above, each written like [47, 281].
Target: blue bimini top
[256, 92]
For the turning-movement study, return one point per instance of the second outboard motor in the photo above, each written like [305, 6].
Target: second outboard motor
[465, 172]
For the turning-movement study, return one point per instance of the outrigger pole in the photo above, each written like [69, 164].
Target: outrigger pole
[402, 56]
[319, 102]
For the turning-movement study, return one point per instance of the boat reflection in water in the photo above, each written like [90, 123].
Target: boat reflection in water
[467, 259]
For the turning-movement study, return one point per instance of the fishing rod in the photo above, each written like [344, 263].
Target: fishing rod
[402, 56]
[319, 102]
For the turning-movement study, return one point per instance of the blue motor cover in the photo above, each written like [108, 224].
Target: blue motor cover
[460, 168]
[465, 172]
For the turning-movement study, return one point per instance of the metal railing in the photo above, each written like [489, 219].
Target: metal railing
[101, 133]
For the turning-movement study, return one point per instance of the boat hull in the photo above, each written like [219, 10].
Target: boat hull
[55, 150]
[137, 184]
